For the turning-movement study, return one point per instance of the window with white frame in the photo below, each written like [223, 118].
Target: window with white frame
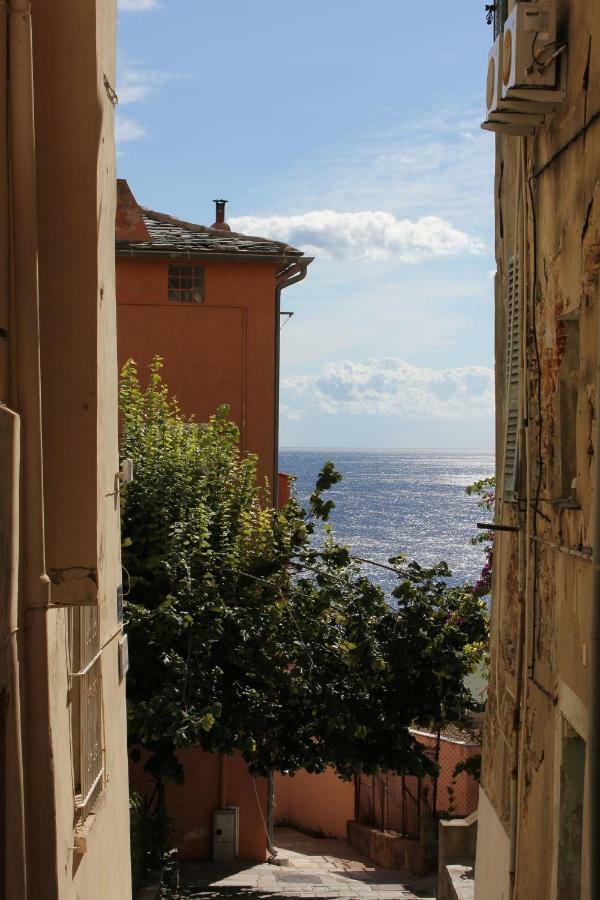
[86, 708]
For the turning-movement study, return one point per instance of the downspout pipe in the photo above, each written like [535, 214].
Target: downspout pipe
[290, 275]
[222, 780]
[4, 221]
[593, 749]
[13, 877]
[25, 391]
[520, 245]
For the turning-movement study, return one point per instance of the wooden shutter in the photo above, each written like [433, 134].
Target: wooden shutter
[513, 380]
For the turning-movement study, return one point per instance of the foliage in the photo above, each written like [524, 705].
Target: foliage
[149, 833]
[247, 634]
[472, 766]
[137, 825]
[485, 490]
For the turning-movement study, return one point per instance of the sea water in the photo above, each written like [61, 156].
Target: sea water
[401, 501]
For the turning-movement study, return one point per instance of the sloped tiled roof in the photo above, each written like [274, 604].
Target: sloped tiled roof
[175, 237]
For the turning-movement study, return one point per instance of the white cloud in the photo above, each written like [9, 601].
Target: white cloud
[390, 387]
[412, 164]
[290, 413]
[134, 84]
[128, 130]
[369, 235]
[137, 5]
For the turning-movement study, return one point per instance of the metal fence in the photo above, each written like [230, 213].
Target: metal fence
[397, 803]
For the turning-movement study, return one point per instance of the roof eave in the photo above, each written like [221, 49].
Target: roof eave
[174, 253]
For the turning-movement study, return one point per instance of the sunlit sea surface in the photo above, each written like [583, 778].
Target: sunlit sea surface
[401, 501]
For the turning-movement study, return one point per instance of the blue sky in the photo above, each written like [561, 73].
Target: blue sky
[351, 130]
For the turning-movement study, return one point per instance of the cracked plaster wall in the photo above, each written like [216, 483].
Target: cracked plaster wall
[556, 586]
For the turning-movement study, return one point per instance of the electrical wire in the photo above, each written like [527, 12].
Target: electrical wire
[536, 631]
[560, 46]
[540, 427]
[270, 846]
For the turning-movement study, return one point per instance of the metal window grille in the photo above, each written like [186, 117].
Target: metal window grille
[186, 284]
[86, 709]
[513, 380]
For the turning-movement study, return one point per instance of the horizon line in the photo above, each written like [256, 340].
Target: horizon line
[430, 449]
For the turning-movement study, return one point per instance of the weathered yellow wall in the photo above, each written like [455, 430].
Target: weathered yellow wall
[563, 252]
[73, 50]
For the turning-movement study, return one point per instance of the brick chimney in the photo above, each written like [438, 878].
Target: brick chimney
[130, 225]
[220, 222]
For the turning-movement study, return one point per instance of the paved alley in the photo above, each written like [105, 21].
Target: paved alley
[314, 868]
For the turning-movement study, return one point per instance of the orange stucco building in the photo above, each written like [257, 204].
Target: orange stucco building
[207, 301]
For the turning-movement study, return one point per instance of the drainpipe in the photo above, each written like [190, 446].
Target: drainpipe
[26, 392]
[222, 780]
[13, 855]
[288, 276]
[271, 813]
[524, 531]
[26, 384]
[4, 221]
[593, 749]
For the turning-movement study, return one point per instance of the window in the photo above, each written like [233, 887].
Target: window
[568, 397]
[513, 381]
[186, 284]
[86, 709]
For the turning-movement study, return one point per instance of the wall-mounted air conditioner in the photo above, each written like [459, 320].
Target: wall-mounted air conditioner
[225, 834]
[519, 117]
[530, 54]
[495, 102]
[517, 103]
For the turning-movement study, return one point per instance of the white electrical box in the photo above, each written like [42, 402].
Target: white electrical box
[127, 471]
[225, 834]
[123, 657]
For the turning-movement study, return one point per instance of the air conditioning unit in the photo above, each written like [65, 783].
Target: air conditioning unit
[522, 71]
[496, 103]
[530, 52]
[517, 117]
[225, 834]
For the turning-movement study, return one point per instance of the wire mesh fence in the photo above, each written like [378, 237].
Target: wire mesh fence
[397, 803]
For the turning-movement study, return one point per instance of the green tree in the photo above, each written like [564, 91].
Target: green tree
[252, 629]
[485, 490]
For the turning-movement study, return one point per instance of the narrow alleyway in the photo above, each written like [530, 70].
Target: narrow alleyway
[316, 868]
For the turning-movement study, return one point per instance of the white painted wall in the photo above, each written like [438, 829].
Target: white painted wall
[491, 868]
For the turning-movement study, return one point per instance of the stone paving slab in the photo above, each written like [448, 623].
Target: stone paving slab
[315, 869]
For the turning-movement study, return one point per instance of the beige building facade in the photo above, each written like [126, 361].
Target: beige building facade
[537, 808]
[64, 827]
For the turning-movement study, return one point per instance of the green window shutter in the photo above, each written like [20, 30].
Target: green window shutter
[513, 380]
